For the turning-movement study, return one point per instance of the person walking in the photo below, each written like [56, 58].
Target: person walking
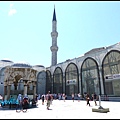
[10, 102]
[25, 102]
[88, 99]
[63, 96]
[79, 97]
[19, 103]
[95, 98]
[73, 97]
[59, 96]
[43, 98]
[48, 99]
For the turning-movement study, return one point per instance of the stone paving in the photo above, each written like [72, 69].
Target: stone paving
[65, 110]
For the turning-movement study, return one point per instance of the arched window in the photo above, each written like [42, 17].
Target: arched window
[111, 73]
[90, 77]
[58, 81]
[48, 82]
[72, 79]
[41, 82]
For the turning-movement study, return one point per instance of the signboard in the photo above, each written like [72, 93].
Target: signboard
[111, 77]
[71, 82]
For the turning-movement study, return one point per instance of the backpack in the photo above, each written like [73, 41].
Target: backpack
[25, 100]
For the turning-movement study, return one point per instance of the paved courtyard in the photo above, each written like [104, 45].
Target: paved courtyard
[65, 110]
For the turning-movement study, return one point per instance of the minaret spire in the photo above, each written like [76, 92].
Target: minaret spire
[54, 15]
[54, 35]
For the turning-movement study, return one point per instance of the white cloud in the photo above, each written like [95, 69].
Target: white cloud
[11, 5]
[11, 11]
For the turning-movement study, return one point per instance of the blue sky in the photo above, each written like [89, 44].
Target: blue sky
[25, 29]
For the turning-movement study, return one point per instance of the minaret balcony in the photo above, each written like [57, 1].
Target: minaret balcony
[54, 48]
[54, 34]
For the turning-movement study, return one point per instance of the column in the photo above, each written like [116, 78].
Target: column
[5, 92]
[34, 89]
[63, 83]
[52, 90]
[101, 81]
[8, 91]
[25, 89]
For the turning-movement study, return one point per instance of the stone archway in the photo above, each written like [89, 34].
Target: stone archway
[14, 75]
[16, 80]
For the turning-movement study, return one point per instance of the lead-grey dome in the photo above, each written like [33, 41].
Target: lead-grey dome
[6, 61]
[21, 65]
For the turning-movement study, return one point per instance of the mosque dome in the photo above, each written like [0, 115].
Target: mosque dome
[38, 66]
[22, 64]
[5, 60]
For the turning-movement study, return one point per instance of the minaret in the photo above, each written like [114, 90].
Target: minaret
[54, 35]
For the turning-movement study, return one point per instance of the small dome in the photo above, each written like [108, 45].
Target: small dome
[38, 66]
[7, 61]
[21, 65]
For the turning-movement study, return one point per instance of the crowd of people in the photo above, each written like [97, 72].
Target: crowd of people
[48, 98]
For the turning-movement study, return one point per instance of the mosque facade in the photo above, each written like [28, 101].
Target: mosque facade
[98, 70]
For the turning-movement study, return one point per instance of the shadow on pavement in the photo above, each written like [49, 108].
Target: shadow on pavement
[2, 108]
